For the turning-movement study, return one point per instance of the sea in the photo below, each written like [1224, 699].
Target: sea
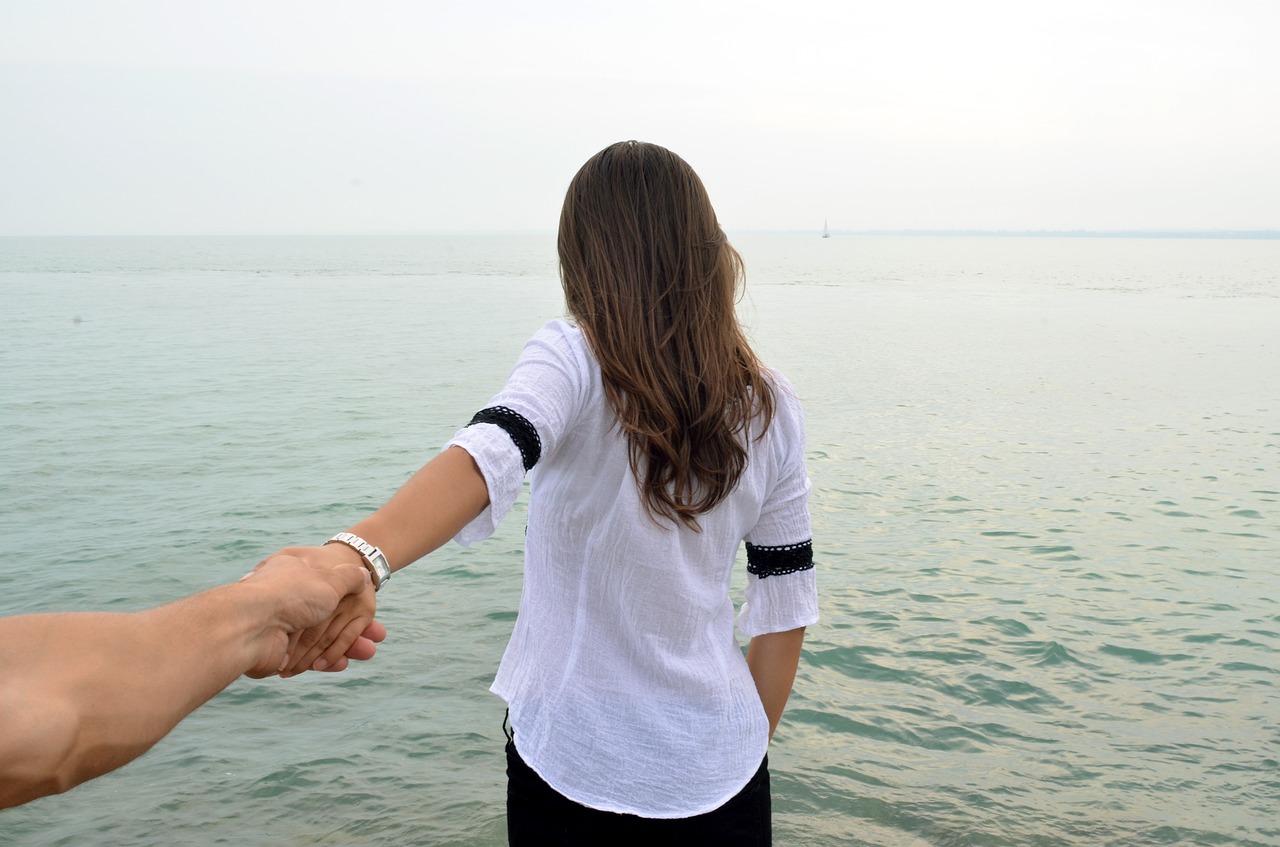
[1046, 510]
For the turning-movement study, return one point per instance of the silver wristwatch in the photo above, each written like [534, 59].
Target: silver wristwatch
[373, 558]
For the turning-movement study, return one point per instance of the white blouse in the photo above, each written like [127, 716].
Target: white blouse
[628, 690]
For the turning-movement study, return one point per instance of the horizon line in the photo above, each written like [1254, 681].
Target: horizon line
[1223, 233]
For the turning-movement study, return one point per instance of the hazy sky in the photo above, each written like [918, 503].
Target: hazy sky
[283, 117]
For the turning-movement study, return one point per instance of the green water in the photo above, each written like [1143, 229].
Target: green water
[1046, 511]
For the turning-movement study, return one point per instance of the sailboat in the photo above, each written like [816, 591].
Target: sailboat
[826, 233]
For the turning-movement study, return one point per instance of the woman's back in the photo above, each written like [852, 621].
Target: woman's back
[627, 686]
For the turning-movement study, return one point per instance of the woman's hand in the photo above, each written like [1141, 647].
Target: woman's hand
[349, 633]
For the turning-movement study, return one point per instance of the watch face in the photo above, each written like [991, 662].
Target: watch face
[382, 567]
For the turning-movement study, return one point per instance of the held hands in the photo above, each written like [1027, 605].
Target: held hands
[320, 606]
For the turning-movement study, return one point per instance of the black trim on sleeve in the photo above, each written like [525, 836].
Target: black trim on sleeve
[776, 561]
[516, 425]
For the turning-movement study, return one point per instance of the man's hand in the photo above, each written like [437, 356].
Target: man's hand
[310, 608]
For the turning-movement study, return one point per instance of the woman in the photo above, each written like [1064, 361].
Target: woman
[656, 443]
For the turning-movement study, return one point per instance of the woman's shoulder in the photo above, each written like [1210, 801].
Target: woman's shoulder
[557, 338]
[777, 380]
[784, 393]
[788, 415]
[559, 328]
[559, 335]
[557, 353]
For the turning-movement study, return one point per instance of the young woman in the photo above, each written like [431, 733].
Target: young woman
[656, 443]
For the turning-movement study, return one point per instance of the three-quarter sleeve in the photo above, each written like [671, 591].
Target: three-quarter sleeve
[523, 422]
[782, 590]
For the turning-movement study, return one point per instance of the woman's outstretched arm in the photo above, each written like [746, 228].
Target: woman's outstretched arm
[428, 510]
[773, 659]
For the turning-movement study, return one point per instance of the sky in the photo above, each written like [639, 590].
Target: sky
[276, 116]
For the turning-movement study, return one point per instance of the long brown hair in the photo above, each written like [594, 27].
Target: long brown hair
[652, 281]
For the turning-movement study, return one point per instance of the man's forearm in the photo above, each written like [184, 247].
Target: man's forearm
[84, 693]
[773, 659]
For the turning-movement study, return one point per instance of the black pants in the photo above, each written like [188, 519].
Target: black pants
[539, 816]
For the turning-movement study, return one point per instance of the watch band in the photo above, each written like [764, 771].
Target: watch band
[374, 560]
